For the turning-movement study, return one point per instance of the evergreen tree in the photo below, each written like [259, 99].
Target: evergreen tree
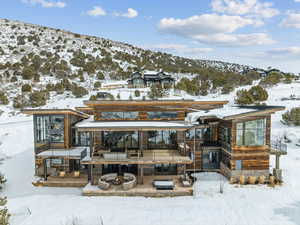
[155, 92]
[258, 93]
[137, 93]
[292, 117]
[243, 97]
[4, 214]
[26, 88]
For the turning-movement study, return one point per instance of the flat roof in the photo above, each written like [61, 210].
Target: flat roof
[54, 111]
[91, 125]
[234, 112]
[182, 102]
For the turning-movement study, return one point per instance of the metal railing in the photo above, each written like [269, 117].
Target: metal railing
[278, 146]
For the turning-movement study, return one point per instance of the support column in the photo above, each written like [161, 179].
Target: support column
[91, 143]
[45, 168]
[277, 162]
[89, 173]
[142, 175]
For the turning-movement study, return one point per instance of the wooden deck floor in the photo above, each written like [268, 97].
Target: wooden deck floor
[146, 189]
[54, 181]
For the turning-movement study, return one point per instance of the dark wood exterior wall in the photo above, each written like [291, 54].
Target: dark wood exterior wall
[253, 157]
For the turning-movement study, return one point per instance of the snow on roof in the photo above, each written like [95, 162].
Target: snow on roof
[73, 152]
[219, 113]
[90, 123]
[229, 111]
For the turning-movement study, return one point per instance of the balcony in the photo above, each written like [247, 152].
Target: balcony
[278, 148]
[153, 156]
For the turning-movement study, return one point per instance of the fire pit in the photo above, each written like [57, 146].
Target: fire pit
[118, 180]
[127, 181]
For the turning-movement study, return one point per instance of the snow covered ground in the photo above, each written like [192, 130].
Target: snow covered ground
[238, 205]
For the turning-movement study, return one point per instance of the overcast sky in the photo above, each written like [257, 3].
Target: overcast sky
[254, 32]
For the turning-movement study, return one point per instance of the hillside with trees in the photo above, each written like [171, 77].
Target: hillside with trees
[37, 62]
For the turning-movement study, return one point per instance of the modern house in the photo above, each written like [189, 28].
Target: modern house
[139, 80]
[123, 147]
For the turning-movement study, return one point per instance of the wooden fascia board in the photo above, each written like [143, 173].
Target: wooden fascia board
[54, 112]
[152, 103]
[255, 113]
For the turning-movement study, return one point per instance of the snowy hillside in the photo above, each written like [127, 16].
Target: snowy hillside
[55, 62]
[238, 205]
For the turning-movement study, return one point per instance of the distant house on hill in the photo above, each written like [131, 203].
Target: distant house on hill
[139, 80]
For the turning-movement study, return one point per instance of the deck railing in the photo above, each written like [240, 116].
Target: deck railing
[278, 147]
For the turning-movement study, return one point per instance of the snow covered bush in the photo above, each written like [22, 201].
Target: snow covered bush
[4, 214]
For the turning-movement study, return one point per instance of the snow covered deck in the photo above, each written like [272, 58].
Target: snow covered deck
[91, 125]
[149, 157]
[146, 189]
[76, 152]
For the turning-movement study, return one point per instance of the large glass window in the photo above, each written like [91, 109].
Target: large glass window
[119, 115]
[200, 133]
[57, 128]
[42, 124]
[162, 139]
[82, 138]
[193, 133]
[120, 140]
[50, 129]
[226, 135]
[251, 133]
[162, 115]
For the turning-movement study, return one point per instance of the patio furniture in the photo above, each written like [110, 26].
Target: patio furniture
[103, 185]
[163, 184]
[62, 174]
[186, 183]
[76, 174]
[130, 181]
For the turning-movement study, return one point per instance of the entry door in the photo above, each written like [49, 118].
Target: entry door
[211, 159]
[74, 165]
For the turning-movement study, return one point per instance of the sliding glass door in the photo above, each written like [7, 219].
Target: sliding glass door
[118, 141]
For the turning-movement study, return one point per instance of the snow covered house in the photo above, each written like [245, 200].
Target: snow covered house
[145, 146]
[139, 80]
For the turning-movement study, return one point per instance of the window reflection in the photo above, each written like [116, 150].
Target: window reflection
[119, 140]
[49, 129]
[119, 115]
[162, 139]
[162, 115]
[251, 133]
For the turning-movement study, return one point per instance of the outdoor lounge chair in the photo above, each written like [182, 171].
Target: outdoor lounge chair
[163, 184]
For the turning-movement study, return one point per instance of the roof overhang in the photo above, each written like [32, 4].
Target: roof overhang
[54, 112]
[162, 102]
[258, 112]
[131, 125]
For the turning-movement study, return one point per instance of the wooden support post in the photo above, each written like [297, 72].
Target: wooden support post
[45, 169]
[194, 150]
[91, 143]
[141, 142]
[142, 175]
[277, 162]
[89, 173]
